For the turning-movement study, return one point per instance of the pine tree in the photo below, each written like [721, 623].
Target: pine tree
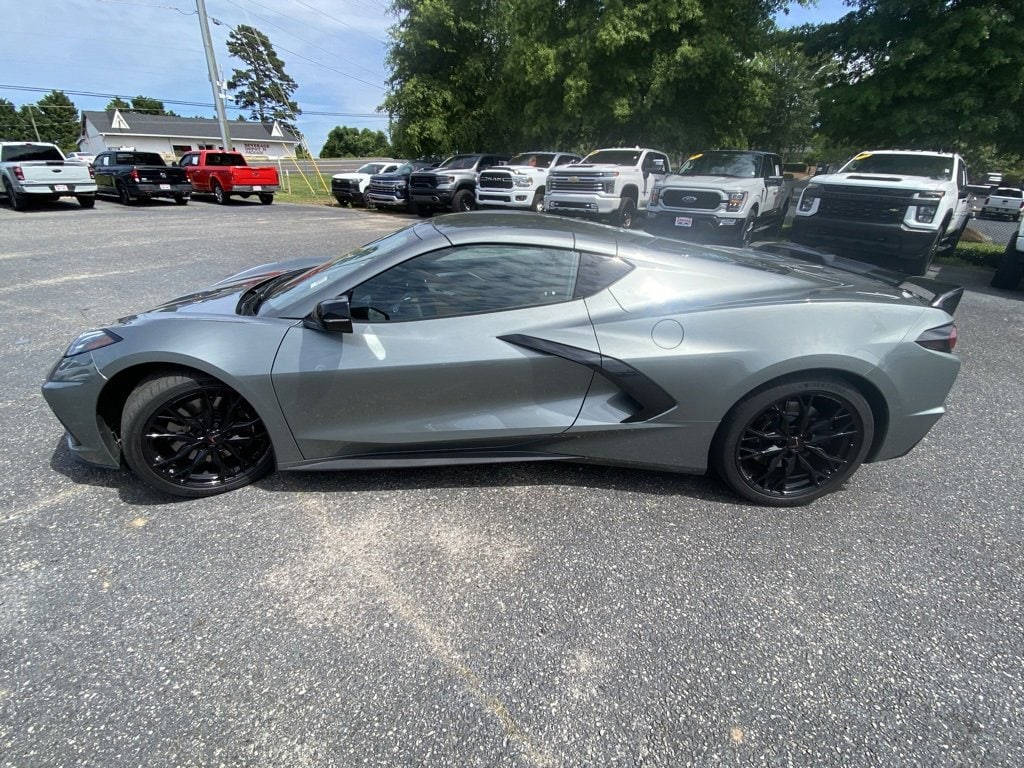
[263, 87]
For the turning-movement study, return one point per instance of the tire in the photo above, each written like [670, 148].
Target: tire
[920, 265]
[367, 202]
[87, 201]
[776, 228]
[463, 201]
[15, 200]
[122, 194]
[789, 443]
[538, 201]
[222, 197]
[341, 200]
[1010, 270]
[266, 198]
[190, 435]
[180, 200]
[626, 213]
[746, 234]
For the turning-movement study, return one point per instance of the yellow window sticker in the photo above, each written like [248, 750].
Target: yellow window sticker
[863, 156]
[694, 157]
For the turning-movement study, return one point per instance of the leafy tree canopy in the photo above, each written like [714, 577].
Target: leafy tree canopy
[344, 141]
[54, 118]
[929, 74]
[262, 87]
[12, 125]
[142, 104]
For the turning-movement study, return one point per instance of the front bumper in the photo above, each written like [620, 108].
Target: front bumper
[506, 198]
[439, 197]
[697, 225]
[863, 240]
[388, 201]
[72, 391]
[581, 205]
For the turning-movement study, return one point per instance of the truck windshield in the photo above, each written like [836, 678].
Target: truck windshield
[24, 153]
[534, 159]
[929, 166]
[371, 168]
[742, 165]
[459, 162]
[614, 157]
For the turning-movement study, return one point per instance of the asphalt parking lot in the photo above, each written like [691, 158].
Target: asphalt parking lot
[516, 615]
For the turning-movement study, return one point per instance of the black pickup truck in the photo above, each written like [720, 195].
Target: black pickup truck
[130, 175]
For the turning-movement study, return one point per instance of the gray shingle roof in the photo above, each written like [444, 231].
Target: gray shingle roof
[193, 127]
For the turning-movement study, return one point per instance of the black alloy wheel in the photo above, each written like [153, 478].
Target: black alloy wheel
[747, 232]
[626, 213]
[793, 442]
[463, 201]
[122, 194]
[190, 435]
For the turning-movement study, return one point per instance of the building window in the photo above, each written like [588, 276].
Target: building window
[181, 149]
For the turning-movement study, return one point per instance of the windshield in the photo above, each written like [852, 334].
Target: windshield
[372, 168]
[139, 158]
[224, 158]
[325, 281]
[614, 157]
[457, 162]
[930, 166]
[742, 165]
[29, 152]
[533, 159]
[1008, 192]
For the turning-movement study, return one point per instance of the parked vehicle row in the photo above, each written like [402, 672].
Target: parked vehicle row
[36, 170]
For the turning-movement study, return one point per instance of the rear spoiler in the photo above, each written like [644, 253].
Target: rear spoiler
[944, 296]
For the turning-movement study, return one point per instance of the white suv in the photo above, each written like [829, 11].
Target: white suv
[522, 183]
[896, 208]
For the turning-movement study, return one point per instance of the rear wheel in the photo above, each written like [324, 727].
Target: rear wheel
[222, 197]
[793, 442]
[16, 201]
[191, 435]
[180, 200]
[266, 198]
[87, 201]
[122, 194]
[1010, 271]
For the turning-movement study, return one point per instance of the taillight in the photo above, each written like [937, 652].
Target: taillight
[941, 339]
[18, 173]
[135, 174]
[92, 172]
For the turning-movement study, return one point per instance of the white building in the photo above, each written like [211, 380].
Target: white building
[174, 136]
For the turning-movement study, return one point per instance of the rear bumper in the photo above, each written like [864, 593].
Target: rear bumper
[257, 188]
[53, 189]
[146, 189]
[864, 240]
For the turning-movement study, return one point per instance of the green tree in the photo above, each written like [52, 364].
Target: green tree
[929, 74]
[55, 118]
[12, 124]
[344, 141]
[150, 106]
[263, 87]
[118, 103]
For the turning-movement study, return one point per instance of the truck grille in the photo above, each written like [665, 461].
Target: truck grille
[495, 181]
[423, 180]
[344, 185]
[691, 199]
[385, 187]
[865, 204]
[580, 184]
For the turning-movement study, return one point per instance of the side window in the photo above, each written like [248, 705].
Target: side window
[468, 280]
[104, 159]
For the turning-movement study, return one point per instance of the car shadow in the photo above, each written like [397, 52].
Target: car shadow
[974, 279]
[521, 474]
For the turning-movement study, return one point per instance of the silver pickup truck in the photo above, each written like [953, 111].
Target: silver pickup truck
[37, 171]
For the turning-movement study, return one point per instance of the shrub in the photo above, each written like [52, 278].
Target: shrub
[978, 254]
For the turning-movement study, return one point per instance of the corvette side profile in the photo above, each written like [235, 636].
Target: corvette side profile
[510, 336]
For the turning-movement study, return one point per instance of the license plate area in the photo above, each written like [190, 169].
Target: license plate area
[60, 187]
[684, 221]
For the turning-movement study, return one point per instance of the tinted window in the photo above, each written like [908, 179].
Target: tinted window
[744, 165]
[614, 157]
[931, 166]
[468, 280]
[598, 272]
[29, 152]
[535, 159]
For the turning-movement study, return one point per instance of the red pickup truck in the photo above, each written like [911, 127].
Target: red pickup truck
[224, 174]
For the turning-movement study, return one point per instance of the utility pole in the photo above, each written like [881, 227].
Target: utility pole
[211, 64]
[33, 119]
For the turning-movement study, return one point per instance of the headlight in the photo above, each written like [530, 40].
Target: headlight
[400, 185]
[655, 195]
[736, 200]
[811, 193]
[925, 214]
[522, 181]
[92, 340]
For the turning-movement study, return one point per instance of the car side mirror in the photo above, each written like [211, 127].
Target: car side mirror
[773, 181]
[962, 194]
[331, 315]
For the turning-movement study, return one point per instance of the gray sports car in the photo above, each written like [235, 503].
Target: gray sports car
[493, 337]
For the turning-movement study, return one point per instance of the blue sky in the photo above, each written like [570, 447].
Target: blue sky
[334, 50]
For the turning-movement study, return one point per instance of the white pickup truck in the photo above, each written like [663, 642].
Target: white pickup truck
[896, 208]
[352, 188]
[522, 182]
[37, 171]
[609, 184]
[721, 194]
[1003, 201]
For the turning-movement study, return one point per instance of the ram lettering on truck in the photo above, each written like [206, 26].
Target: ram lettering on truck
[38, 171]
[223, 174]
[721, 194]
[896, 208]
[610, 184]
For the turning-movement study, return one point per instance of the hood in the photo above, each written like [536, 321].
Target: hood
[588, 167]
[222, 297]
[711, 182]
[880, 180]
[393, 176]
[353, 175]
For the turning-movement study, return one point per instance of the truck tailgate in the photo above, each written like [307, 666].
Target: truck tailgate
[54, 172]
[245, 175]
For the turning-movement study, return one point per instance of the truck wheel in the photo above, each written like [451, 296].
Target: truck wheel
[1010, 270]
[367, 202]
[122, 194]
[180, 200]
[463, 201]
[87, 201]
[266, 198]
[747, 232]
[222, 197]
[624, 216]
[538, 201]
[16, 201]
[776, 229]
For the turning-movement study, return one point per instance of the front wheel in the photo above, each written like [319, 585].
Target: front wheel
[190, 435]
[792, 442]
[625, 215]
[538, 201]
[1010, 270]
[746, 234]
[463, 201]
[266, 198]
[222, 197]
